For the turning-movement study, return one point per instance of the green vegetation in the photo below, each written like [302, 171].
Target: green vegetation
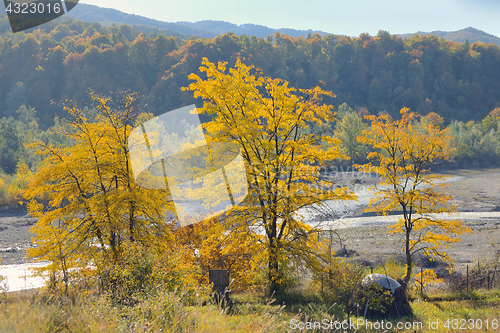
[38, 311]
[474, 143]
[380, 73]
[74, 173]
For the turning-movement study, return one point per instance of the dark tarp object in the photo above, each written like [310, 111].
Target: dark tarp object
[397, 306]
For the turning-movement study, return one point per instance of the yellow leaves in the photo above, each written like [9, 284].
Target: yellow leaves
[268, 120]
[425, 279]
[221, 245]
[474, 54]
[18, 185]
[404, 150]
[93, 201]
[34, 208]
[3, 190]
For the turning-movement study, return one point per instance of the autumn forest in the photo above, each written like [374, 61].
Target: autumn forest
[395, 109]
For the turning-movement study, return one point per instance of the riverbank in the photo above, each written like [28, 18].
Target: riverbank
[15, 236]
[475, 194]
[473, 190]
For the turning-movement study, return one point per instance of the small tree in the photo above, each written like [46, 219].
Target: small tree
[347, 130]
[404, 150]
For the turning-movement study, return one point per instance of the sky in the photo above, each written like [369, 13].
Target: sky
[347, 17]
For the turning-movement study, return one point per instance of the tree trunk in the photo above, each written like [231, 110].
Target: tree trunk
[409, 262]
[273, 272]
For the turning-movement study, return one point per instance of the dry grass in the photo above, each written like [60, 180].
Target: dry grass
[35, 311]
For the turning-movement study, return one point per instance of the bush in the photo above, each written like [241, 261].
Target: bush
[140, 271]
[392, 268]
[374, 301]
[340, 281]
[3, 285]
[7, 198]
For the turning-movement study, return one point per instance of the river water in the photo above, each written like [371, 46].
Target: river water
[332, 215]
[20, 277]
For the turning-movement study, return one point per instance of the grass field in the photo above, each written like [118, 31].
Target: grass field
[477, 311]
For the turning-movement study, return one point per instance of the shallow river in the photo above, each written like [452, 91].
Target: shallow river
[19, 276]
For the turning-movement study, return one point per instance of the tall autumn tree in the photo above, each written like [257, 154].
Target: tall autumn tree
[267, 120]
[85, 195]
[403, 151]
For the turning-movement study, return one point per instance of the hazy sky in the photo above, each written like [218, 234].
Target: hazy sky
[350, 17]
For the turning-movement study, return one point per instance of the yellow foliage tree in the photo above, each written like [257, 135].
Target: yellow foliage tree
[426, 278]
[495, 112]
[213, 247]
[3, 192]
[85, 195]
[404, 150]
[268, 119]
[20, 184]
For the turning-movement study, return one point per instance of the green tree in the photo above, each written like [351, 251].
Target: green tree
[10, 145]
[347, 130]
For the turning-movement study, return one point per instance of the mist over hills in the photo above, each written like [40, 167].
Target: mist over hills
[207, 28]
[249, 29]
[109, 16]
[470, 34]
[210, 28]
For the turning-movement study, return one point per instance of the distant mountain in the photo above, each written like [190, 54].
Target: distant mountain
[471, 34]
[108, 16]
[208, 29]
[221, 27]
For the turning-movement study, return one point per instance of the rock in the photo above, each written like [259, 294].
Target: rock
[382, 280]
[10, 250]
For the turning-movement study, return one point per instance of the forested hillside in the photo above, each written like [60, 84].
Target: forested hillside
[380, 73]
[145, 223]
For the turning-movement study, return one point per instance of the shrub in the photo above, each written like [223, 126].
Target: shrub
[3, 285]
[373, 301]
[141, 271]
[340, 281]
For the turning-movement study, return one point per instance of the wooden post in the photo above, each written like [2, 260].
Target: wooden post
[468, 277]
[421, 280]
[220, 280]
